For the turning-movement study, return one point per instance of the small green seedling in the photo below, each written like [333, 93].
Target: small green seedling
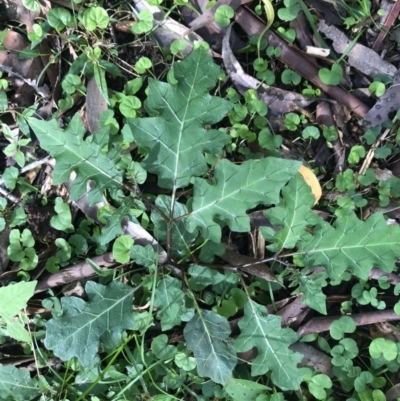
[223, 15]
[332, 76]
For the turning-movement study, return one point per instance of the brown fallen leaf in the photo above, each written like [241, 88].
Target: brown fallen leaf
[361, 57]
[321, 362]
[321, 324]
[14, 10]
[392, 278]
[95, 105]
[387, 103]
[385, 330]
[74, 273]
[393, 394]
[293, 313]
[389, 20]
[236, 259]
[333, 11]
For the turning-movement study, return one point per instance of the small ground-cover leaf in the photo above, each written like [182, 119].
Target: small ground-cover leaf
[318, 384]
[185, 362]
[62, 221]
[352, 244]
[234, 190]
[207, 335]
[223, 15]
[83, 325]
[121, 248]
[383, 347]
[176, 138]
[263, 331]
[73, 154]
[94, 18]
[332, 76]
[340, 326]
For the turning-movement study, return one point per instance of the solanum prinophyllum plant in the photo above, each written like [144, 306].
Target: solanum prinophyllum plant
[204, 196]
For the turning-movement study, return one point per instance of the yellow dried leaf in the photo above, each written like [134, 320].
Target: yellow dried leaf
[311, 179]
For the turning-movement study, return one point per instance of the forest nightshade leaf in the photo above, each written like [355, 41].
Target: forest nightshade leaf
[16, 384]
[14, 297]
[83, 325]
[234, 190]
[352, 244]
[176, 138]
[181, 238]
[74, 154]
[170, 298]
[263, 331]
[310, 285]
[293, 214]
[208, 337]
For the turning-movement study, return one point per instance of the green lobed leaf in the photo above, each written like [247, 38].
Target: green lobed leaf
[144, 255]
[16, 384]
[73, 154]
[207, 335]
[17, 331]
[311, 288]
[234, 190]
[14, 297]
[240, 389]
[182, 239]
[113, 220]
[176, 139]
[263, 331]
[293, 214]
[203, 276]
[161, 348]
[170, 298]
[352, 244]
[83, 325]
[78, 243]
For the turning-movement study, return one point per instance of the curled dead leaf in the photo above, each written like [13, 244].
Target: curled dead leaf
[311, 180]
